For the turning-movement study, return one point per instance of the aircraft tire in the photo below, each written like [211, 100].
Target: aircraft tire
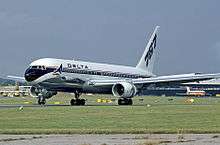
[41, 101]
[125, 101]
[78, 102]
[130, 102]
[82, 102]
[73, 102]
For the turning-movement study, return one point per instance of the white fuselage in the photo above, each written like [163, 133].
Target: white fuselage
[80, 72]
[106, 70]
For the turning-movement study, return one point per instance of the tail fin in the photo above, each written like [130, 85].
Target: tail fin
[147, 60]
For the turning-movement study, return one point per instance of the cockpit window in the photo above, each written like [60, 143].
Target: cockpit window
[34, 67]
[38, 67]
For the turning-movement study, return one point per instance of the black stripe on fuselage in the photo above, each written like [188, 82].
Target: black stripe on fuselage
[33, 74]
[103, 73]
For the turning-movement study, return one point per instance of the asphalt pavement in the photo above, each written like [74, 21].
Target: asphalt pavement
[115, 139]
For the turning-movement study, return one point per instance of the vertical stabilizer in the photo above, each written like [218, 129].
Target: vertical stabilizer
[148, 58]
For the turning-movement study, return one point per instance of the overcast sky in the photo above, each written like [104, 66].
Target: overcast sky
[112, 31]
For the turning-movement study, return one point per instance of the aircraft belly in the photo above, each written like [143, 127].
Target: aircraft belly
[103, 89]
[70, 83]
[70, 87]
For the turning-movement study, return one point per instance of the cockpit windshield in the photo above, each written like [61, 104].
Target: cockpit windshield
[39, 67]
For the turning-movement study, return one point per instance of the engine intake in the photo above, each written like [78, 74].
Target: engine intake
[124, 89]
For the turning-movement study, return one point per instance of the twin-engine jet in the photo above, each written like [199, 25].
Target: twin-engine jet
[48, 76]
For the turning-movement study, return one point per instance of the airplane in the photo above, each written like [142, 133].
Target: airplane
[47, 76]
[193, 93]
[198, 93]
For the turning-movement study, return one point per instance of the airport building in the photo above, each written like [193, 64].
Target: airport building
[182, 91]
[14, 91]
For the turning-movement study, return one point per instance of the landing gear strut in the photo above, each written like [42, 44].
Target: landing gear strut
[125, 101]
[77, 101]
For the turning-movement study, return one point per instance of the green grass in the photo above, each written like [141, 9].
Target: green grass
[163, 116]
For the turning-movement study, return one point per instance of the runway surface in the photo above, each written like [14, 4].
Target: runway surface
[116, 139]
[7, 106]
[33, 104]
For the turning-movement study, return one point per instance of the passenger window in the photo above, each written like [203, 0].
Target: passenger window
[43, 67]
[34, 67]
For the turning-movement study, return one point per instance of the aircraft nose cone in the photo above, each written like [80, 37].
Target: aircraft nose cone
[32, 74]
[27, 75]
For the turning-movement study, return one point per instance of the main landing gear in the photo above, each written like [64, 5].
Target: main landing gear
[125, 101]
[77, 101]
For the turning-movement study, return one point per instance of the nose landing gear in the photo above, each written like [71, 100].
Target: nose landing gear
[41, 101]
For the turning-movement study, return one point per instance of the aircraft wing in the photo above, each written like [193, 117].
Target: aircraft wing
[16, 78]
[161, 80]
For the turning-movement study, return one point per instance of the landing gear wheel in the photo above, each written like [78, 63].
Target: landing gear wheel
[73, 102]
[82, 102]
[125, 101]
[78, 102]
[41, 101]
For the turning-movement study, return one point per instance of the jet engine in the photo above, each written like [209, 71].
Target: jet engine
[124, 90]
[36, 92]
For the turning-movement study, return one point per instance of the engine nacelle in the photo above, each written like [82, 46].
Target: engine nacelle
[124, 89]
[36, 92]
